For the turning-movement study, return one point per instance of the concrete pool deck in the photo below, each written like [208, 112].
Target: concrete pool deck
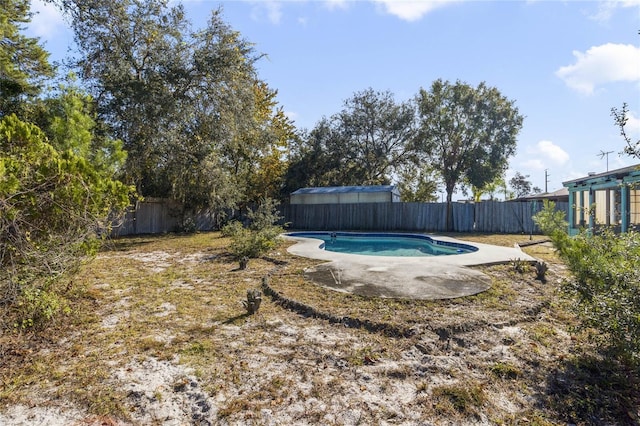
[426, 278]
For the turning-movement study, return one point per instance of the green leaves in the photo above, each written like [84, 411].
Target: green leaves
[198, 125]
[259, 237]
[23, 62]
[620, 117]
[57, 191]
[520, 185]
[605, 287]
[53, 205]
[552, 222]
[368, 143]
[467, 133]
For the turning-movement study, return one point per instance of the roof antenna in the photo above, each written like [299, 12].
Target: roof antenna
[602, 154]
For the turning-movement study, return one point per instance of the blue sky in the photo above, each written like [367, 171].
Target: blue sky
[564, 63]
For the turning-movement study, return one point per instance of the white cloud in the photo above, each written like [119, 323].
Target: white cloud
[602, 64]
[291, 115]
[632, 128]
[408, 10]
[47, 20]
[573, 174]
[608, 7]
[412, 10]
[552, 152]
[336, 4]
[545, 152]
[272, 9]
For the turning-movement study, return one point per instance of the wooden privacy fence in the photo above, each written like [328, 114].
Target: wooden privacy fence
[159, 216]
[154, 216]
[487, 216]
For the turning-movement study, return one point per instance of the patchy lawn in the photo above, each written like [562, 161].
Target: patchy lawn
[158, 335]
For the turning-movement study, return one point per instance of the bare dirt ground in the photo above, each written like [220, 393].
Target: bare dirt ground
[158, 335]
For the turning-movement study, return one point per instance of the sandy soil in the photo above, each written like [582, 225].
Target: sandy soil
[281, 368]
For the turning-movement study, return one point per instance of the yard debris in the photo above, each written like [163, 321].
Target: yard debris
[254, 298]
[541, 271]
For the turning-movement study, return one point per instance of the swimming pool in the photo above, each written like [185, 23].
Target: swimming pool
[385, 244]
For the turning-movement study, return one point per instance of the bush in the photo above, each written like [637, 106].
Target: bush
[38, 306]
[250, 243]
[55, 207]
[605, 287]
[551, 221]
[259, 237]
[232, 228]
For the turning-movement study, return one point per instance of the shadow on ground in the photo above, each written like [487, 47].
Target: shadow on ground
[595, 391]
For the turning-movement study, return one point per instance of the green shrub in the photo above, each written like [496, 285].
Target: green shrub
[605, 286]
[55, 207]
[551, 221]
[38, 306]
[252, 244]
[259, 237]
[232, 228]
[265, 216]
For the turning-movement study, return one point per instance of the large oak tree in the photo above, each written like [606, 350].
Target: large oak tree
[194, 117]
[466, 133]
[367, 143]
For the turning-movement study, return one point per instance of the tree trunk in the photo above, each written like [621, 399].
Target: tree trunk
[449, 222]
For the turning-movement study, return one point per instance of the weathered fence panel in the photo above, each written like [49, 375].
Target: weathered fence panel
[487, 216]
[161, 216]
[463, 217]
[510, 217]
[152, 216]
[367, 216]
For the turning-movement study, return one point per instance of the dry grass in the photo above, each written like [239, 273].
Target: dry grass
[502, 356]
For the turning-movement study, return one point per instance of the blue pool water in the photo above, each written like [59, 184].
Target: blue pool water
[385, 244]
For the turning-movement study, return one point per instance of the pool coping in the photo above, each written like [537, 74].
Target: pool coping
[436, 242]
[486, 254]
[420, 277]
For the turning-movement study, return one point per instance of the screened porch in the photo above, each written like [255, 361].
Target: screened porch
[610, 199]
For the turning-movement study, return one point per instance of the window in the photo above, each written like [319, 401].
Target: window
[580, 212]
[602, 200]
[634, 206]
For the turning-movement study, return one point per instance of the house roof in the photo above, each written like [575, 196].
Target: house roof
[611, 174]
[345, 189]
[560, 193]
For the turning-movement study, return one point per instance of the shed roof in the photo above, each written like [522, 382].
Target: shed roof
[345, 189]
